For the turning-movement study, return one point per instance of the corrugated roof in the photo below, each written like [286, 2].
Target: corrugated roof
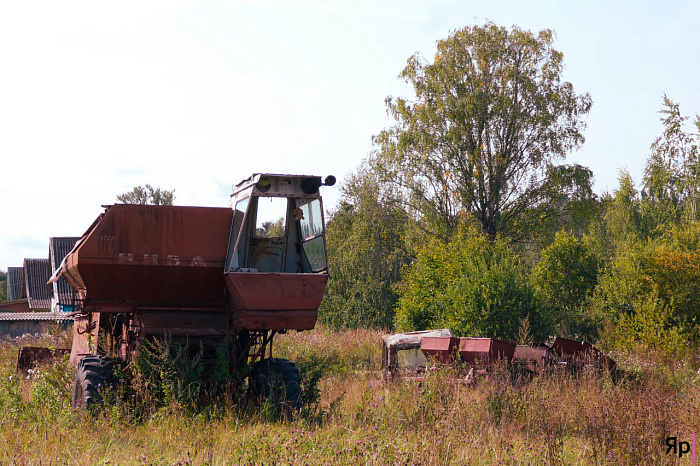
[15, 283]
[37, 273]
[5, 316]
[58, 249]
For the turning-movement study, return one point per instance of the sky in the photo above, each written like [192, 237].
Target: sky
[98, 97]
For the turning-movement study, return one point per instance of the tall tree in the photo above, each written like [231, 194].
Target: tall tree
[624, 217]
[490, 118]
[147, 195]
[672, 173]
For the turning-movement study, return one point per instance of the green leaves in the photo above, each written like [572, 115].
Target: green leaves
[472, 286]
[672, 172]
[489, 116]
[147, 195]
[566, 276]
[366, 252]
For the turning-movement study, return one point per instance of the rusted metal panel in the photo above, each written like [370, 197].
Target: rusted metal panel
[206, 323]
[275, 291]
[300, 319]
[581, 350]
[566, 347]
[275, 301]
[440, 349]
[534, 358]
[29, 356]
[152, 255]
[486, 351]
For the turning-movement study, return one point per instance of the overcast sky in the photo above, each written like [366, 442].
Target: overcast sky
[98, 97]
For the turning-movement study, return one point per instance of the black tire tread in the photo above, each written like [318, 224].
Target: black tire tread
[92, 374]
[278, 380]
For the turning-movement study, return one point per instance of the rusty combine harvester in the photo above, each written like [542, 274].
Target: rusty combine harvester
[412, 354]
[208, 277]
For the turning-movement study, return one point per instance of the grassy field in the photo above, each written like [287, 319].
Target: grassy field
[360, 419]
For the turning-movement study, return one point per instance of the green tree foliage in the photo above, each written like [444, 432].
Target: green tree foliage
[271, 229]
[472, 286]
[625, 219]
[366, 257]
[3, 286]
[650, 292]
[147, 195]
[672, 172]
[650, 329]
[565, 277]
[621, 283]
[669, 186]
[490, 118]
[673, 274]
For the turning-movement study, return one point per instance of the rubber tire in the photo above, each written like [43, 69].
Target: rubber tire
[93, 373]
[277, 380]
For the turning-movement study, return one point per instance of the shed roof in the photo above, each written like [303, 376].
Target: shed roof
[37, 273]
[58, 249]
[15, 283]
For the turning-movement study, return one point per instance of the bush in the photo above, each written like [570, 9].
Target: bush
[651, 294]
[564, 279]
[472, 286]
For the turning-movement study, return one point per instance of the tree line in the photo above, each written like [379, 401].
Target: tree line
[465, 214]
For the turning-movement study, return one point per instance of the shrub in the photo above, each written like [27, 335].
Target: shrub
[472, 286]
[565, 277]
[651, 294]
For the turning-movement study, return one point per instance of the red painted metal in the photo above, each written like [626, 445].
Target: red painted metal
[191, 323]
[535, 358]
[275, 300]
[440, 349]
[566, 347]
[486, 351]
[152, 255]
[581, 351]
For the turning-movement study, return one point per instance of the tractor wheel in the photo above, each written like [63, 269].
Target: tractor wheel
[277, 380]
[94, 373]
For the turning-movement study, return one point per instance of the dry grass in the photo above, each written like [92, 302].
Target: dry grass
[553, 419]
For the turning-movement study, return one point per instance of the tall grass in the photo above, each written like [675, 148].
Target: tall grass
[557, 418]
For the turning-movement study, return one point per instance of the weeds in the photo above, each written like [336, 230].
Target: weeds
[355, 418]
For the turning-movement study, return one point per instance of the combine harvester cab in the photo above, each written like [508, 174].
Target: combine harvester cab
[276, 266]
[205, 276]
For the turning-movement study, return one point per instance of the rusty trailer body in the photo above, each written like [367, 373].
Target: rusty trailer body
[440, 349]
[201, 274]
[473, 356]
[486, 351]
